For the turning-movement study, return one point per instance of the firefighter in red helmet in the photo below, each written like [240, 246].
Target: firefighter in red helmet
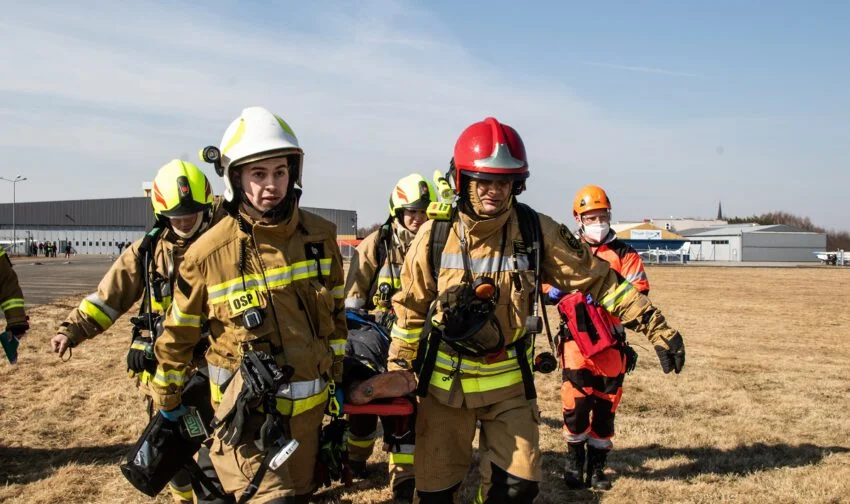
[469, 296]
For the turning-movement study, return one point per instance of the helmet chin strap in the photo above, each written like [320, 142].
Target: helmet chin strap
[188, 234]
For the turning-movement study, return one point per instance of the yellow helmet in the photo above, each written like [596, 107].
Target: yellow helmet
[179, 189]
[413, 192]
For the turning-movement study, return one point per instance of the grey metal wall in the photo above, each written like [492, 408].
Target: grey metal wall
[114, 212]
[787, 246]
[96, 226]
[345, 220]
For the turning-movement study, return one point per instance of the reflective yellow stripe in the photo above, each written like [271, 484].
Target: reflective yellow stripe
[2, 252]
[183, 319]
[161, 306]
[173, 377]
[137, 345]
[237, 136]
[479, 498]
[144, 377]
[181, 491]
[93, 311]
[394, 282]
[12, 303]
[296, 407]
[338, 292]
[361, 443]
[472, 385]
[338, 346]
[406, 335]
[276, 277]
[401, 458]
[215, 392]
[612, 299]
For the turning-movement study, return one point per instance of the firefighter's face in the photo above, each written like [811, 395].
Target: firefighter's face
[493, 195]
[186, 223]
[413, 219]
[265, 182]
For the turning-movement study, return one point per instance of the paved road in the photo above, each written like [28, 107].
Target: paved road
[45, 280]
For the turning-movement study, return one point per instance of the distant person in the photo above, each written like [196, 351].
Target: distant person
[68, 250]
[40, 248]
[120, 247]
[55, 247]
[33, 249]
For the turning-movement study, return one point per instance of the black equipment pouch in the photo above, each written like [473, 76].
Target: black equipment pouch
[162, 450]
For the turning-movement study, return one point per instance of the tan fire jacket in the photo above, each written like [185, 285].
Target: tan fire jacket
[475, 382]
[123, 285]
[293, 273]
[11, 296]
[365, 274]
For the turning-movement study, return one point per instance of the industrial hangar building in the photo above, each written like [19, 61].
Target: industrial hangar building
[97, 226]
[753, 242]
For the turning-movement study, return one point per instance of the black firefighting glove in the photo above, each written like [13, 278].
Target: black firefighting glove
[673, 357]
[18, 328]
[140, 357]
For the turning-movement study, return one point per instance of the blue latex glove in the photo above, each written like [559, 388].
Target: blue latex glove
[174, 414]
[555, 294]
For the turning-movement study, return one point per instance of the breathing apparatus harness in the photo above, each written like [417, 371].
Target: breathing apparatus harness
[477, 305]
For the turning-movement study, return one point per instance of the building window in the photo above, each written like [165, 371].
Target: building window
[76, 244]
[720, 242]
[89, 244]
[110, 244]
[97, 244]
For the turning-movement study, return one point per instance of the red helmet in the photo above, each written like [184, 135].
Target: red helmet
[490, 150]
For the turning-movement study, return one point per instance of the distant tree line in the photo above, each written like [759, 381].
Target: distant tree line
[834, 239]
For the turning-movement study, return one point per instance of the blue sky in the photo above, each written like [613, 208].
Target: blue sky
[671, 106]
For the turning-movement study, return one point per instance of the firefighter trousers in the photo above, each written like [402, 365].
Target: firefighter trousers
[509, 439]
[236, 465]
[363, 430]
[590, 393]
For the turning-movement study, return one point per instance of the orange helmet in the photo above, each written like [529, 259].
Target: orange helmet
[590, 197]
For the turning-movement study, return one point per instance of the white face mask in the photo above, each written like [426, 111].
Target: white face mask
[188, 234]
[596, 232]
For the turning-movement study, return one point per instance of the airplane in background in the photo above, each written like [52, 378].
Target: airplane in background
[655, 255]
[834, 257]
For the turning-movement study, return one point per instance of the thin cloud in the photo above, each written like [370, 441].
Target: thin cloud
[642, 69]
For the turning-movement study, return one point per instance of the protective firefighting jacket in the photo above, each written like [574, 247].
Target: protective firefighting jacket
[291, 272]
[623, 259]
[11, 296]
[124, 284]
[376, 262]
[495, 249]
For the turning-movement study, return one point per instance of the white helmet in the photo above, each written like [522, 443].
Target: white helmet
[255, 135]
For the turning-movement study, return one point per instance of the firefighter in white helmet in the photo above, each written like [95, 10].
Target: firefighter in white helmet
[269, 279]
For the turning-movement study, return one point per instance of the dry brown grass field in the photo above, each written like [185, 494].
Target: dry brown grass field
[760, 414]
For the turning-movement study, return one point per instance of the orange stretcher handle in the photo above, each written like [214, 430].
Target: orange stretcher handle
[397, 407]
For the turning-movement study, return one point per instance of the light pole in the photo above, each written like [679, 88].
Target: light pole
[14, 182]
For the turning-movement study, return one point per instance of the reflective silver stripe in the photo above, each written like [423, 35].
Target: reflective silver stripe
[406, 449]
[218, 375]
[105, 308]
[301, 389]
[480, 368]
[640, 275]
[390, 270]
[483, 265]
[184, 319]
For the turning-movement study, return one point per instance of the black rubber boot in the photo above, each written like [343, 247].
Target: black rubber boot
[574, 469]
[403, 492]
[596, 478]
